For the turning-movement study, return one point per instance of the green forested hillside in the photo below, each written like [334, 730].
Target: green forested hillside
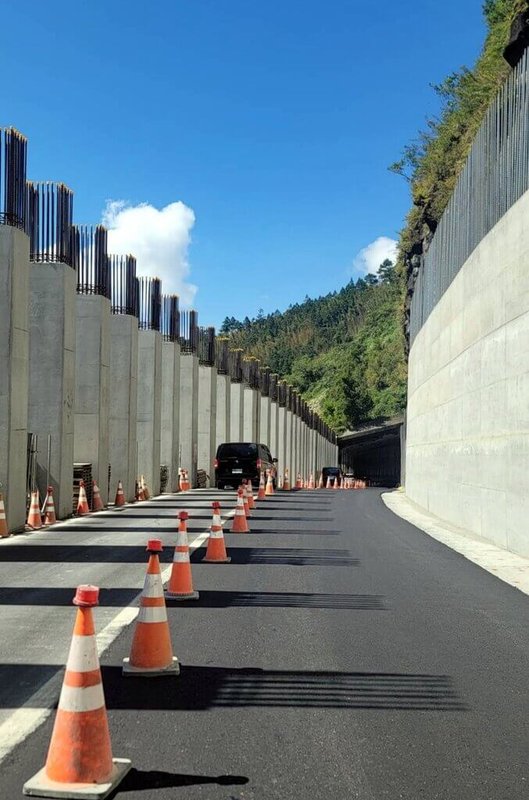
[344, 351]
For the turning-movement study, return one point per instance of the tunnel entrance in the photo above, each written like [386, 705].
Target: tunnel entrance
[373, 452]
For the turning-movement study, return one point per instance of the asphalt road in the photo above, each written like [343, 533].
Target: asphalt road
[342, 654]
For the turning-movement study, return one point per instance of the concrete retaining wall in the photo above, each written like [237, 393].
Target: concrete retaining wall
[123, 403]
[467, 451]
[14, 363]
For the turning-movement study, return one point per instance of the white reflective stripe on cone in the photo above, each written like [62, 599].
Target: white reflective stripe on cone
[152, 614]
[181, 538]
[153, 586]
[216, 521]
[87, 698]
[178, 556]
[216, 534]
[83, 654]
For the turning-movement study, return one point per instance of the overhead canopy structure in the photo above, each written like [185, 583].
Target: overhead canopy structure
[373, 452]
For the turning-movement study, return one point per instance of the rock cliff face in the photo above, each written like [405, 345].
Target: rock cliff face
[519, 38]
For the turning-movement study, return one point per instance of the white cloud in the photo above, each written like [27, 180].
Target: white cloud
[159, 238]
[371, 257]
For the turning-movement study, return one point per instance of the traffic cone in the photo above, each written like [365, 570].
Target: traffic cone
[151, 653]
[181, 480]
[311, 481]
[280, 484]
[180, 586]
[249, 494]
[3, 520]
[245, 499]
[50, 517]
[328, 485]
[216, 551]
[146, 492]
[79, 761]
[336, 484]
[261, 493]
[286, 482]
[97, 503]
[82, 503]
[299, 481]
[269, 484]
[120, 495]
[34, 517]
[240, 523]
[320, 482]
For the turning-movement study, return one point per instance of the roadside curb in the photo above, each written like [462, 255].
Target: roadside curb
[508, 567]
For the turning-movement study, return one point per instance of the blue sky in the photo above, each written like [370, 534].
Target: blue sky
[270, 124]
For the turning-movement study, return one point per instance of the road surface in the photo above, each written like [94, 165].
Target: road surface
[342, 654]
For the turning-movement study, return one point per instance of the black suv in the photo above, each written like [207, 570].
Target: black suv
[331, 472]
[238, 460]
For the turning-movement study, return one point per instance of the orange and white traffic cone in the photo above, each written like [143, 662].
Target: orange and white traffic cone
[261, 493]
[50, 518]
[97, 503]
[245, 499]
[336, 484]
[328, 485]
[34, 521]
[269, 484]
[249, 494]
[286, 482]
[82, 503]
[180, 586]
[146, 492]
[3, 520]
[311, 481]
[120, 495]
[151, 653]
[79, 761]
[299, 481]
[180, 480]
[320, 481]
[240, 523]
[216, 551]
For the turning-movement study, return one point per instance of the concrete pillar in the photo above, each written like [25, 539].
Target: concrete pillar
[52, 377]
[223, 410]
[281, 440]
[150, 407]
[14, 364]
[274, 420]
[289, 463]
[123, 403]
[92, 390]
[170, 442]
[251, 414]
[189, 414]
[237, 413]
[207, 419]
[264, 421]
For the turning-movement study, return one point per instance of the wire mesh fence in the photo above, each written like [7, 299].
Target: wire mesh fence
[49, 222]
[90, 259]
[494, 177]
[124, 286]
[13, 167]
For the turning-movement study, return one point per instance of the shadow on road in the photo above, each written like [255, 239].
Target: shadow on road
[202, 688]
[144, 780]
[351, 602]
[295, 556]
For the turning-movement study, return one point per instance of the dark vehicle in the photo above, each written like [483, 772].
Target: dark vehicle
[332, 473]
[238, 460]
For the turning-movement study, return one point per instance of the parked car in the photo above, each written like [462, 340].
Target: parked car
[238, 460]
[332, 473]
